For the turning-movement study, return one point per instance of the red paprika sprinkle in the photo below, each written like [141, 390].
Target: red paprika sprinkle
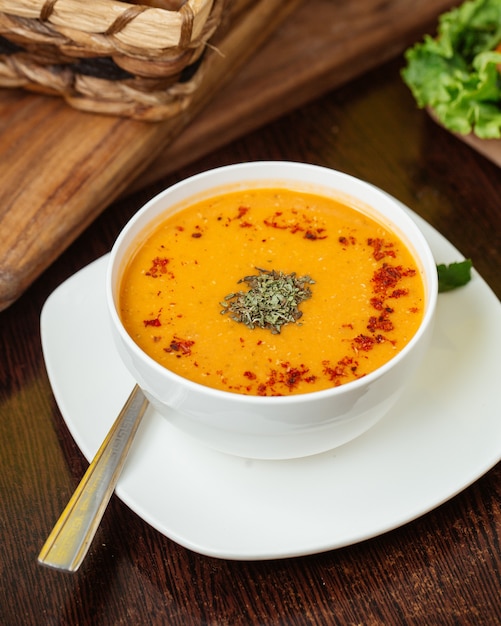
[377, 303]
[242, 210]
[366, 343]
[158, 266]
[381, 249]
[273, 223]
[153, 322]
[334, 373]
[380, 323]
[398, 293]
[409, 272]
[346, 241]
[182, 346]
[314, 235]
[386, 277]
[293, 375]
[348, 360]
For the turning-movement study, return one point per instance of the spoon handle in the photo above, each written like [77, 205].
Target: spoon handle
[70, 539]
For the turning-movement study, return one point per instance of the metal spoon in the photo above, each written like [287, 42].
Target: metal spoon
[70, 539]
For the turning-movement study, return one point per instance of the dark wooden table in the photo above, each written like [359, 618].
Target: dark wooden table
[443, 568]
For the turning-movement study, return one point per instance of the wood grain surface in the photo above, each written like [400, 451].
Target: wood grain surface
[490, 148]
[322, 45]
[443, 569]
[61, 168]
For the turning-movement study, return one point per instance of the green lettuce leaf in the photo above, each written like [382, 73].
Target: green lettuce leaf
[456, 73]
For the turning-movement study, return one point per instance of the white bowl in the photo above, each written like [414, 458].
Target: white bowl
[285, 426]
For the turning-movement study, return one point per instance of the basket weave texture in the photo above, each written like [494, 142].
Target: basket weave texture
[108, 56]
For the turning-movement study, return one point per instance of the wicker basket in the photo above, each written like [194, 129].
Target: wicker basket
[108, 56]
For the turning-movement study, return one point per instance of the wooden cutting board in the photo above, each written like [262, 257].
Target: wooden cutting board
[60, 168]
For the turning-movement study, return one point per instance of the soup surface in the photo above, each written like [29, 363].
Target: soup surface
[363, 293]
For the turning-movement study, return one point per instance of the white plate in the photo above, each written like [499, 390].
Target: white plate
[443, 435]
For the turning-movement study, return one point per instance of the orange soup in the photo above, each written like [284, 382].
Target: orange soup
[347, 287]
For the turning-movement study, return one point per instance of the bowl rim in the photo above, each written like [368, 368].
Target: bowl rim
[287, 168]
